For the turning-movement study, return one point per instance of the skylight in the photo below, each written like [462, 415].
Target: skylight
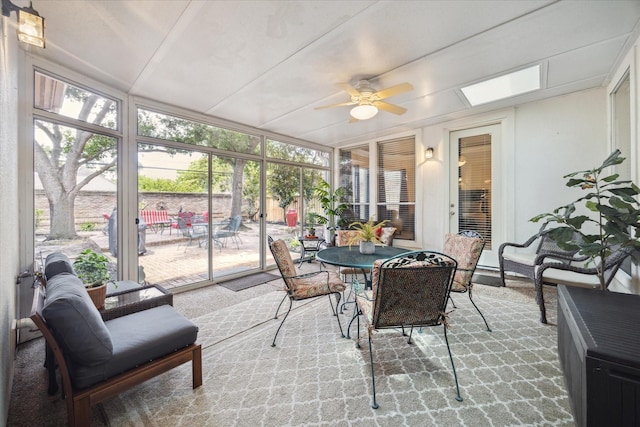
[502, 87]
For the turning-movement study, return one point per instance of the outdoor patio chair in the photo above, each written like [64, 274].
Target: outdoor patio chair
[525, 263]
[304, 286]
[576, 274]
[409, 290]
[466, 248]
[195, 232]
[230, 230]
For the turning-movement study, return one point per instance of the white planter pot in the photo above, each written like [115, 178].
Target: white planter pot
[367, 247]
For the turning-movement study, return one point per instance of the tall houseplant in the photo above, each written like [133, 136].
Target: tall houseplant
[613, 219]
[332, 203]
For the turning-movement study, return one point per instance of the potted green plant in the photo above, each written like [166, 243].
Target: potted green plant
[612, 220]
[366, 234]
[91, 268]
[332, 203]
[311, 221]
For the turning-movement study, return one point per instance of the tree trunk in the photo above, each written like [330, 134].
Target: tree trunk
[236, 187]
[62, 218]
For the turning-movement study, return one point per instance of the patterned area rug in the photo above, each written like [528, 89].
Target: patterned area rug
[314, 377]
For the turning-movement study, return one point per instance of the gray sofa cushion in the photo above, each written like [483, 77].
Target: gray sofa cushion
[75, 321]
[138, 338]
[57, 263]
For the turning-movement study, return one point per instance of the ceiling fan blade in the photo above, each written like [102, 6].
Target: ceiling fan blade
[393, 90]
[390, 108]
[342, 104]
[350, 89]
[353, 119]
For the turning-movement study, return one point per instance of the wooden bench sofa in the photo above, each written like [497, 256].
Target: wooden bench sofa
[99, 359]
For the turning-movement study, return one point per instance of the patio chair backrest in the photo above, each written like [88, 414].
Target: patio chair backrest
[549, 246]
[466, 248]
[285, 264]
[184, 228]
[234, 224]
[411, 289]
[346, 236]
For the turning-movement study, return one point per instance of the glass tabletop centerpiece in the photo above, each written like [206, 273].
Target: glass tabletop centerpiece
[367, 235]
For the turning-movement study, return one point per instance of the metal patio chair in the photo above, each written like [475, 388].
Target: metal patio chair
[409, 290]
[466, 248]
[304, 286]
[196, 232]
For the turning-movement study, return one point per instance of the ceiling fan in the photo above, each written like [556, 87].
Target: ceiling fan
[368, 101]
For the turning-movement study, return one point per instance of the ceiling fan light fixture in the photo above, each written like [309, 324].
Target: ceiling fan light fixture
[364, 111]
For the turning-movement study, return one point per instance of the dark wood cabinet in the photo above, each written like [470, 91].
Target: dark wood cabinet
[599, 351]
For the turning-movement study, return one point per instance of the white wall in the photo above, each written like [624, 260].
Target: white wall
[9, 249]
[541, 142]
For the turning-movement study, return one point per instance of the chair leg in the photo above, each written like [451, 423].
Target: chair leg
[540, 301]
[356, 316]
[410, 334]
[504, 284]
[455, 376]
[335, 311]
[481, 315]
[273, 344]
[452, 302]
[374, 404]
[280, 305]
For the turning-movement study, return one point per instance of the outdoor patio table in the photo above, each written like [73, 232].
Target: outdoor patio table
[350, 256]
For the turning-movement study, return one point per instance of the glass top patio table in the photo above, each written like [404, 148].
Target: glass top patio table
[345, 256]
[350, 256]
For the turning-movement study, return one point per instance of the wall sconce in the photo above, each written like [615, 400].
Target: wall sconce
[428, 153]
[30, 23]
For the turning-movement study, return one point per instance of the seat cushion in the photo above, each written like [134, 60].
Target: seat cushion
[570, 278]
[75, 321]
[138, 338]
[315, 285]
[57, 263]
[525, 258]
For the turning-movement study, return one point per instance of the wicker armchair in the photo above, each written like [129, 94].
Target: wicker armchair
[303, 286]
[547, 250]
[576, 274]
[466, 248]
[409, 290]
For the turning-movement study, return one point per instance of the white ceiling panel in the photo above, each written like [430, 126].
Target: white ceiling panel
[268, 64]
[110, 40]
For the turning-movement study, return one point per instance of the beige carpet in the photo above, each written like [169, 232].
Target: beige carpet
[314, 377]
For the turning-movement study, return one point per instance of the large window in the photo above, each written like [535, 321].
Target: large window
[76, 133]
[205, 196]
[396, 186]
[355, 176]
